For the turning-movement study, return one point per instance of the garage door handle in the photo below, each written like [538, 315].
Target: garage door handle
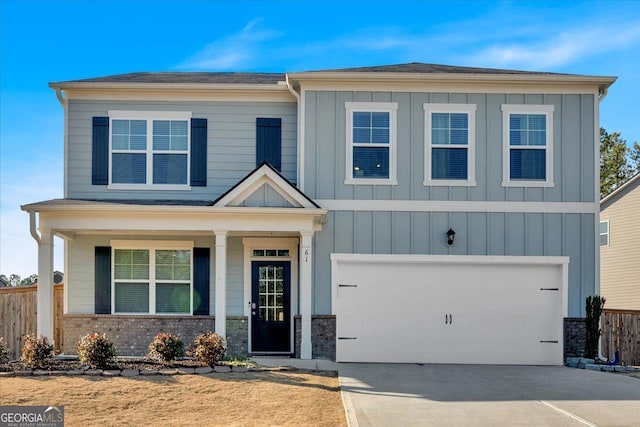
[549, 289]
[550, 342]
[448, 319]
[347, 286]
[347, 338]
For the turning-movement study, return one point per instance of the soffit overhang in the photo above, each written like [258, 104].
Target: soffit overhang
[175, 91]
[70, 217]
[404, 80]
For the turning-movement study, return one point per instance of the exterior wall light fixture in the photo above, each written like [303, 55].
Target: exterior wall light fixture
[451, 235]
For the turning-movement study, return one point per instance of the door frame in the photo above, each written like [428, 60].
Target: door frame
[290, 243]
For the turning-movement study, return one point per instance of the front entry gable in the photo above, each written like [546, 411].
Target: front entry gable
[265, 187]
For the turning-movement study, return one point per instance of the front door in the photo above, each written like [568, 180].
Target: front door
[270, 306]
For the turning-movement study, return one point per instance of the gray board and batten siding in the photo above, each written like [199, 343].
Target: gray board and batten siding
[477, 233]
[325, 151]
[231, 145]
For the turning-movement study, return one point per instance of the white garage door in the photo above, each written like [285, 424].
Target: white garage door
[449, 309]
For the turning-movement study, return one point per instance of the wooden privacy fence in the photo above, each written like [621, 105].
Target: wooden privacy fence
[620, 332]
[18, 307]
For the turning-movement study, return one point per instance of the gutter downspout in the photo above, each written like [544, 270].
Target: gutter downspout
[299, 138]
[602, 94]
[32, 227]
[60, 96]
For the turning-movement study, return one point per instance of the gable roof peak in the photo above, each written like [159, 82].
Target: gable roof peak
[265, 173]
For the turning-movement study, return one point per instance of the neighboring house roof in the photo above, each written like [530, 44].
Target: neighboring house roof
[619, 192]
[3, 283]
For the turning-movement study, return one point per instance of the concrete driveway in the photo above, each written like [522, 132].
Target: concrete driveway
[480, 395]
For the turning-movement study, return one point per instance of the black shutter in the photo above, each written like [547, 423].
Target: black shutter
[201, 261]
[100, 151]
[103, 280]
[199, 152]
[269, 142]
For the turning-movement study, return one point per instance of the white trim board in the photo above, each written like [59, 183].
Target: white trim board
[456, 206]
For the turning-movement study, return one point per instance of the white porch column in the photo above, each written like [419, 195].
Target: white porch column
[221, 283]
[44, 315]
[305, 294]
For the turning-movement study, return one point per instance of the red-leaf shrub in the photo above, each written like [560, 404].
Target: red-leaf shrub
[36, 351]
[96, 351]
[166, 348]
[209, 348]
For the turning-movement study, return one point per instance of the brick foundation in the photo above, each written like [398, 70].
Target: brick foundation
[237, 336]
[575, 336]
[132, 335]
[323, 336]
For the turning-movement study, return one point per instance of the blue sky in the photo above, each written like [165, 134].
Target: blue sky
[56, 40]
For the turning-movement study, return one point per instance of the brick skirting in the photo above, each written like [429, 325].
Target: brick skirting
[323, 336]
[132, 335]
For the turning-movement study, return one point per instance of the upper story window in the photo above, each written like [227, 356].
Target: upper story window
[604, 233]
[152, 278]
[149, 149]
[371, 143]
[528, 145]
[449, 144]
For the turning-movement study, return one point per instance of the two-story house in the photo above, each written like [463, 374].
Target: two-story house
[619, 250]
[402, 213]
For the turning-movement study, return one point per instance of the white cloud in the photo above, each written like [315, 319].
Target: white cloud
[232, 52]
[561, 49]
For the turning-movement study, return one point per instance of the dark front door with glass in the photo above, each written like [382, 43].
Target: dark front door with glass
[270, 306]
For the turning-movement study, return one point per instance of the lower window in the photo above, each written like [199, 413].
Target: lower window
[152, 281]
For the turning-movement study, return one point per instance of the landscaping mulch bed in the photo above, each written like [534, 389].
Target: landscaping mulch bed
[73, 364]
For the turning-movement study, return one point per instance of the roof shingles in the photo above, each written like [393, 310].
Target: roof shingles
[276, 78]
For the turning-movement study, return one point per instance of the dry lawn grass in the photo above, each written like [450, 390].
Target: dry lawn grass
[231, 399]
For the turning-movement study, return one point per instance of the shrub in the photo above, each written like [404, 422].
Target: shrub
[166, 347]
[96, 351]
[4, 351]
[36, 351]
[208, 348]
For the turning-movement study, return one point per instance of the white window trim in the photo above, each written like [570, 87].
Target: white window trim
[387, 107]
[470, 109]
[151, 246]
[507, 110]
[149, 117]
[608, 233]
